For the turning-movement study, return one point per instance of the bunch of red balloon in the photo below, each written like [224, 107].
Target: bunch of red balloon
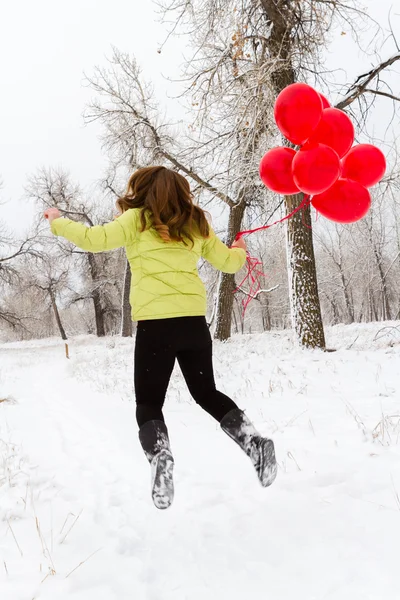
[327, 166]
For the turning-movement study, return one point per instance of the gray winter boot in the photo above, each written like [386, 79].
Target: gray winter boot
[260, 450]
[153, 436]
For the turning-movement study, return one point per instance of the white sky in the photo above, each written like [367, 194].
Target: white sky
[46, 47]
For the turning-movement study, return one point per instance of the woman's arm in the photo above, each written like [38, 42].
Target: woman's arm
[227, 260]
[99, 238]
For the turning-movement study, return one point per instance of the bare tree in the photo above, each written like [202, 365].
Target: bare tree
[49, 187]
[334, 243]
[50, 288]
[48, 276]
[12, 251]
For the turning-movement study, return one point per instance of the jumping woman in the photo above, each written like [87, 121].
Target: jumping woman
[165, 234]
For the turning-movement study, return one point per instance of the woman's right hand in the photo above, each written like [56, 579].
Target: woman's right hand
[240, 243]
[52, 213]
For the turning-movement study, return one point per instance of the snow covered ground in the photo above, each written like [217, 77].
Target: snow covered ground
[76, 519]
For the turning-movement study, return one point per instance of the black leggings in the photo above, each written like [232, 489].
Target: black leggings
[158, 344]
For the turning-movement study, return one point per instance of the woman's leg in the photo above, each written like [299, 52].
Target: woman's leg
[154, 363]
[195, 360]
[197, 368]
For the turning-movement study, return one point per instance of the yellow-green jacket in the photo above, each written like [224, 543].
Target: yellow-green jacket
[165, 280]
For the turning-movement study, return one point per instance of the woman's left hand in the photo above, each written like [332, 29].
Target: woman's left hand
[240, 243]
[51, 214]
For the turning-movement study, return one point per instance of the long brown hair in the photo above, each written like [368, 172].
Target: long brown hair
[167, 204]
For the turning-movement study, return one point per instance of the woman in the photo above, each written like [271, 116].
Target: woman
[165, 234]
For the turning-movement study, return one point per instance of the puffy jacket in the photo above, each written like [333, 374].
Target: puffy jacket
[165, 281]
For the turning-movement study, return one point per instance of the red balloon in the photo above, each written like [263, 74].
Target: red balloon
[315, 169]
[364, 163]
[276, 171]
[335, 130]
[345, 202]
[298, 110]
[325, 102]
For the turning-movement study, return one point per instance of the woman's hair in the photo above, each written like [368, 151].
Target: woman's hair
[167, 204]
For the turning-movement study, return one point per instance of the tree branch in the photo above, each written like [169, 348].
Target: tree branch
[386, 94]
[254, 296]
[125, 105]
[21, 250]
[360, 86]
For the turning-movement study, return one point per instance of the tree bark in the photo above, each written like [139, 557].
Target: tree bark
[335, 310]
[57, 315]
[126, 320]
[348, 302]
[303, 287]
[96, 297]
[227, 281]
[374, 311]
[349, 305]
[266, 315]
[386, 312]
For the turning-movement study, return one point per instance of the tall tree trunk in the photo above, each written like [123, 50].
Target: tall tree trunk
[57, 315]
[348, 302]
[265, 312]
[303, 288]
[126, 321]
[335, 310]
[99, 312]
[227, 281]
[386, 312]
[345, 285]
[373, 309]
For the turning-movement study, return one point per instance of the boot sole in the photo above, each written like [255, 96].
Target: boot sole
[267, 469]
[162, 468]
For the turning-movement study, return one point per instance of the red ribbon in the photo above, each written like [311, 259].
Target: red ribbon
[305, 202]
[254, 265]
